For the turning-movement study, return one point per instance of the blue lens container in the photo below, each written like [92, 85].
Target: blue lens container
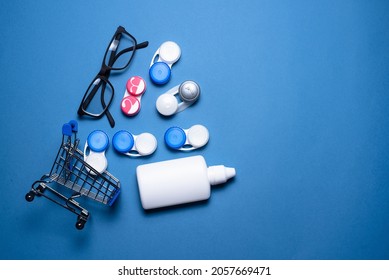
[175, 137]
[98, 141]
[123, 141]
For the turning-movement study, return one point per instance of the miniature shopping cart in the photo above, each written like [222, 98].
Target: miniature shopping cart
[70, 170]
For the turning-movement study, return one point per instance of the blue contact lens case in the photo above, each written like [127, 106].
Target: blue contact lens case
[193, 138]
[168, 54]
[94, 151]
[132, 145]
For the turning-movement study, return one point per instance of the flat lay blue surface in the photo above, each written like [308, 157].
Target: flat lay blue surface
[294, 95]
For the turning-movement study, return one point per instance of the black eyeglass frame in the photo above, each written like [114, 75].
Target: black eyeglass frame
[104, 73]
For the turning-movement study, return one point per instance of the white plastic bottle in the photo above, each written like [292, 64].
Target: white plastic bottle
[178, 181]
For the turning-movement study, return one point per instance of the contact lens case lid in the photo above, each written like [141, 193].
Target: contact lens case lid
[98, 141]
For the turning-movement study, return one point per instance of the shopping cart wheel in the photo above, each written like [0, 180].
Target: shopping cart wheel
[80, 223]
[30, 196]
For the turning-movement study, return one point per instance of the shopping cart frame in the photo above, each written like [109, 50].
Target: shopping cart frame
[70, 170]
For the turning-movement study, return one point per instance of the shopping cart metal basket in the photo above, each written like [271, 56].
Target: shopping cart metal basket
[70, 170]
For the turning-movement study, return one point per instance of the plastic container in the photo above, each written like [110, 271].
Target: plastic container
[190, 139]
[168, 54]
[188, 91]
[94, 151]
[131, 102]
[134, 145]
[178, 181]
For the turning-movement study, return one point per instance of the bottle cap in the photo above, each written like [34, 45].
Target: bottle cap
[167, 104]
[169, 52]
[175, 137]
[189, 91]
[98, 141]
[160, 73]
[145, 144]
[98, 161]
[219, 174]
[136, 86]
[130, 105]
[123, 141]
[198, 136]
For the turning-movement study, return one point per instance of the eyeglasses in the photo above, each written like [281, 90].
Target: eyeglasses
[99, 95]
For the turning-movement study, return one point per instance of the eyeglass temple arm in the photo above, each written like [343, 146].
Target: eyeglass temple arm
[137, 47]
[90, 97]
[113, 52]
[112, 59]
[107, 113]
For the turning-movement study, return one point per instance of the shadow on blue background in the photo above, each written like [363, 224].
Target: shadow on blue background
[294, 94]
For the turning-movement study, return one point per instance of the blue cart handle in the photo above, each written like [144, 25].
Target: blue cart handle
[74, 125]
[69, 128]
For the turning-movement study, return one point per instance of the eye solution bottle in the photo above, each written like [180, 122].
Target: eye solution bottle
[179, 181]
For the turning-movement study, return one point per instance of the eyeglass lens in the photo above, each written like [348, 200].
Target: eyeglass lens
[120, 51]
[98, 97]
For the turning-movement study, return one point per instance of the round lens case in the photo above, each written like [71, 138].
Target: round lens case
[134, 145]
[193, 138]
[94, 151]
[135, 88]
[188, 91]
[168, 54]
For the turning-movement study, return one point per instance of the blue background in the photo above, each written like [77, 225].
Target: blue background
[294, 94]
